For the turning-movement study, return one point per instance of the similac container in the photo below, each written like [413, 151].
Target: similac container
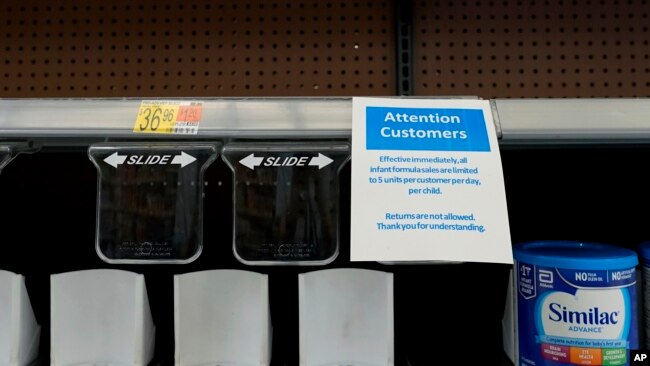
[576, 303]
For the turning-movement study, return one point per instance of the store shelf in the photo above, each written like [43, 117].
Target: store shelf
[561, 121]
[556, 153]
[518, 121]
[269, 117]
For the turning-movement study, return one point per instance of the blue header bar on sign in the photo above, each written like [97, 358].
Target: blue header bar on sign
[433, 129]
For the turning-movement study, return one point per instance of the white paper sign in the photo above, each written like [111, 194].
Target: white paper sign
[427, 182]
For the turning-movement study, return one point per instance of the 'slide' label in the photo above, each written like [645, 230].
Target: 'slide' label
[183, 159]
[251, 161]
[575, 317]
[433, 170]
[169, 117]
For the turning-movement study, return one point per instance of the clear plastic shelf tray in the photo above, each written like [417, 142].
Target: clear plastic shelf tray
[5, 156]
[150, 201]
[286, 201]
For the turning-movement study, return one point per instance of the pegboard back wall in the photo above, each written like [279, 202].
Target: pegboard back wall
[198, 48]
[530, 49]
[169, 48]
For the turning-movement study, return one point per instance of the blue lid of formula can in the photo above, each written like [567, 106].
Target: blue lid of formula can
[576, 255]
[644, 250]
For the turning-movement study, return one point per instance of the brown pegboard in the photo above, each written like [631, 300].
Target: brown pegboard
[201, 48]
[532, 48]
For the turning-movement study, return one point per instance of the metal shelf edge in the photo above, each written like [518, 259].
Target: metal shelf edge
[517, 121]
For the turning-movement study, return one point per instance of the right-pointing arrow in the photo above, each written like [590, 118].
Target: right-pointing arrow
[183, 159]
[251, 161]
[320, 160]
[114, 160]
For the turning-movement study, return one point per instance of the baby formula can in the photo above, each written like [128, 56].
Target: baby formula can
[576, 303]
[644, 250]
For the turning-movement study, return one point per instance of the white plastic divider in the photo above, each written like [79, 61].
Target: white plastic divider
[100, 317]
[346, 318]
[19, 331]
[222, 317]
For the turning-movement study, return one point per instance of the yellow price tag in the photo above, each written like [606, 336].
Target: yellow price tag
[156, 118]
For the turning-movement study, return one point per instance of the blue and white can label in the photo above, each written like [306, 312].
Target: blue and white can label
[575, 317]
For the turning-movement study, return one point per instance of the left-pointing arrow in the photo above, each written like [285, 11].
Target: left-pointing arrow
[251, 161]
[114, 160]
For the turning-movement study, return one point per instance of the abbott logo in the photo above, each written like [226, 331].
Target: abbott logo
[545, 276]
